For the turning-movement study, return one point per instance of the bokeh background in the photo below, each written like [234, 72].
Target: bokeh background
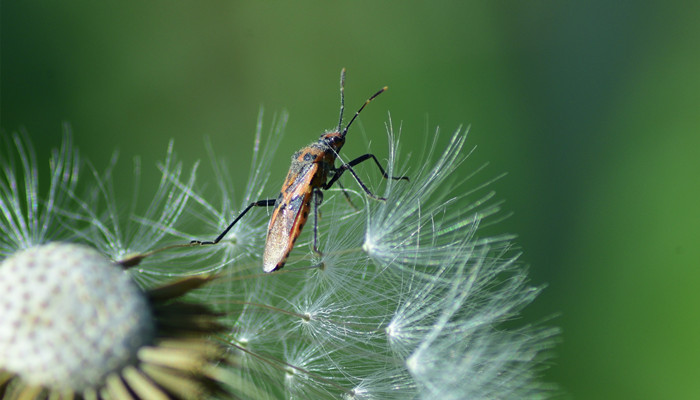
[593, 109]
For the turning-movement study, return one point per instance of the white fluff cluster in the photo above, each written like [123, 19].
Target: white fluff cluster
[407, 300]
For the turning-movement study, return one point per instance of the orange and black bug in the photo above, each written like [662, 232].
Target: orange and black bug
[312, 170]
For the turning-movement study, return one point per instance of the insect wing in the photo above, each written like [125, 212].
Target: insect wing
[288, 218]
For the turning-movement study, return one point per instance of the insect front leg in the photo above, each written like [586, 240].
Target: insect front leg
[348, 167]
[259, 203]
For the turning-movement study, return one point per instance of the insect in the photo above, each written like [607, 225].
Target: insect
[312, 171]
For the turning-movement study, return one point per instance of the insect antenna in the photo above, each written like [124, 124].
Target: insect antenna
[345, 131]
[342, 98]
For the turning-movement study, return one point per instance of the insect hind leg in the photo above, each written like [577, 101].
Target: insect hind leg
[348, 167]
[259, 203]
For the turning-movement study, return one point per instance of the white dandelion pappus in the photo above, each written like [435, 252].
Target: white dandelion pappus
[454, 289]
[26, 219]
[100, 220]
[425, 221]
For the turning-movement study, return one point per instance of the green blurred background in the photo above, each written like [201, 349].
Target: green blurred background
[592, 108]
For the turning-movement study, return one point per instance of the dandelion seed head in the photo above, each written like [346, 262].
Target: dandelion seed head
[69, 317]
[72, 320]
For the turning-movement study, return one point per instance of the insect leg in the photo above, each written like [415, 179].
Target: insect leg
[318, 199]
[259, 203]
[348, 167]
[347, 196]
